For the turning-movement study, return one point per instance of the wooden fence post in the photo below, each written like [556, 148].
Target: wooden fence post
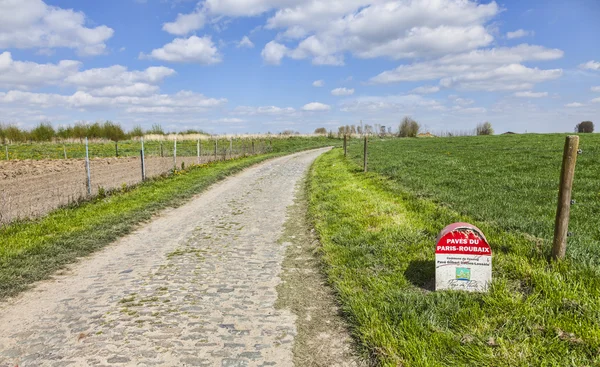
[561, 227]
[117, 149]
[365, 154]
[345, 145]
[198, 151]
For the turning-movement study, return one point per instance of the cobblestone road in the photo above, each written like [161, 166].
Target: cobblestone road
[194, 287]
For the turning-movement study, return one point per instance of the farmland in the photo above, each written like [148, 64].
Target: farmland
[33, 187]
[378, 232]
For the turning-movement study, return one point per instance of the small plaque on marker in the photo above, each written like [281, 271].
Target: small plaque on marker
[463, 259]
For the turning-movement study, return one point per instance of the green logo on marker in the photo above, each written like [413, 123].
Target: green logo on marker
[463, 274]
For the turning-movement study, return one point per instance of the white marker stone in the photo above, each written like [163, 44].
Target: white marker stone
[463, 259]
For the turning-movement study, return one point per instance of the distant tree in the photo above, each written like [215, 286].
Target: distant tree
[156, 129]
[80, 130]
[320, 130]
[136, 132]
[359, 130]
[113, 131]
[484, 129]
[43, 132]
[584, 127]
[13, 133]
[409, 128]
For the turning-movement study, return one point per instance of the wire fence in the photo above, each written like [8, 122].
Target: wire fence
[31, 188]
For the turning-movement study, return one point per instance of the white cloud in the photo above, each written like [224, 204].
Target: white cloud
[591, 65]
[479, 60]
[230, 120]
[316, 106]
[530, 94]
[318, 83]
[426, 89]
[574, 105]
[263, 110]
[245, 42]
[518, 34]
[596, 100]
[509, 77]
[118, 75]
[342, 92]
[189, 50]
[33, 24]
[595, 89]
[137, 89]
[273, 53]
[28, 75]
[491, 69]
[183, 101]
[394, 103]
[185, 23]
[393, 29]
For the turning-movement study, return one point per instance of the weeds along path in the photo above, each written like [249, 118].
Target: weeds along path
[194, 287]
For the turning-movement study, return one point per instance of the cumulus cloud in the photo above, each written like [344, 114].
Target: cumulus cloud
[393, 103]
[596, 100]
[200, 50]
[530, 94]
[595, 89]
[316, 106]
[490, 69]
[34, 24]
[318, 83]
[342, 92]
[185, 23]
[274, 52]
[184, 101]
[574, 105]
[245, 42]
[590, 65]
[28, 75]
[426, 89]
[518, 34]
[369, 29]
[118, 75]
[263, 110]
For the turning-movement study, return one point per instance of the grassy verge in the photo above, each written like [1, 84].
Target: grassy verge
[33, 250]
[378, 245]
[511, 180]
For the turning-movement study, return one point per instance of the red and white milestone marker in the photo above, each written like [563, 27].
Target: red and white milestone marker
[463, 259]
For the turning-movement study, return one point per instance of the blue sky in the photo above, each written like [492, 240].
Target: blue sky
[238, 66]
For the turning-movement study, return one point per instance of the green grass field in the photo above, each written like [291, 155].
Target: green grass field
[508, 180]
[33, 250]
[132, 148]
[378, 234]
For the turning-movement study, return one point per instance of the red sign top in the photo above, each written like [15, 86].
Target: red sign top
[462, 239]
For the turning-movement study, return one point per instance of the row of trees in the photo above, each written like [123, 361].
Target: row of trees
[107, 130]
[408, 128]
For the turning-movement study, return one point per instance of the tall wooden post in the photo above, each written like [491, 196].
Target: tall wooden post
[198, 151]
[561, 227]
[345, 145]
[143, 157]
[365, 153]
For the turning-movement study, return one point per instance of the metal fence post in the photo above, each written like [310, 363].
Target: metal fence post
[345, 145]
[198, 151]
[561, 226]
[252, 147]
[175, 152]
[87, 167]
[117, 149]
[216, 147]
[230, 148]
[143, 162]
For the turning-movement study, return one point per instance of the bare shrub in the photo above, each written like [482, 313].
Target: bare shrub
[409, 128]
[484, 129]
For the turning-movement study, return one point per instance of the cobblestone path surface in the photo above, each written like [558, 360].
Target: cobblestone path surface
[194, 287]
